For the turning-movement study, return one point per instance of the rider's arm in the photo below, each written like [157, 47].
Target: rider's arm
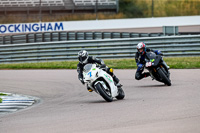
[140, 66]
[137, 58]
[80, 72]
[98, 61]
[157, 52]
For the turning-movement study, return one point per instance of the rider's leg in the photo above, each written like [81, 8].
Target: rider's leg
[139, 75]
[146, 74]
[89, 89]
[116, 80]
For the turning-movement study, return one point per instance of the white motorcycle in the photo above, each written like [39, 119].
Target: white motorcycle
[102, 83]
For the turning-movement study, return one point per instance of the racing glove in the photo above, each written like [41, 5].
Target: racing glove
[158, 52]
[81, 79]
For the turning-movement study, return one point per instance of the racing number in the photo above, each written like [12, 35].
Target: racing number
[90, 73]
[148, 64]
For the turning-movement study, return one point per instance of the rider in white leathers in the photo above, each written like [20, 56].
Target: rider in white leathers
[84, 59]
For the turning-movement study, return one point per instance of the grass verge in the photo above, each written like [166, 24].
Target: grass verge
[175, 63]
[2, 94]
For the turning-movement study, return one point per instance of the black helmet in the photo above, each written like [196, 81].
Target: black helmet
[83, 56]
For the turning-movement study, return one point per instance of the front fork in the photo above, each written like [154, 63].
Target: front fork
[165, 69]
[154, 70]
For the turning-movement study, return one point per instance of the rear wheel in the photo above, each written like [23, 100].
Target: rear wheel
[121, 94]
[164, 78]
[105, 93]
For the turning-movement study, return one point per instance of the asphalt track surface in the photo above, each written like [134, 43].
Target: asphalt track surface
[67, 107]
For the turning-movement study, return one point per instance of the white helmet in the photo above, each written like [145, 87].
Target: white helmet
[83, 56]
[141, 45]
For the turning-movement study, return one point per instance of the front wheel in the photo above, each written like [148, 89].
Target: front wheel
[106, 94]
[164, 78]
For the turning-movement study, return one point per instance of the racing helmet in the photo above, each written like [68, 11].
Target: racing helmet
[83, 56]
[141, 45]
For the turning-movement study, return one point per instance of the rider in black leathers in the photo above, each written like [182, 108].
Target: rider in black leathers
[84, 59]
[140, 60]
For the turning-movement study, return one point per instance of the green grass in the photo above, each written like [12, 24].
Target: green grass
[184, 62]
[2, 94]
[175, 63]
[42, 65]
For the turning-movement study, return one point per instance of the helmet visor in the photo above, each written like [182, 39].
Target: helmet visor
[82, 59]
[141, 50]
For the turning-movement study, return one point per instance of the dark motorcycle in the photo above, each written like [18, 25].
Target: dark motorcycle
[157, 68]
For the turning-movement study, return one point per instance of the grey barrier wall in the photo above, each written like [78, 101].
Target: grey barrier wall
[68, 36]
[105, 48]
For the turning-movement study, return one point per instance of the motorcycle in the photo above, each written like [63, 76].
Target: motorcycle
[157, 68]
[102, 83]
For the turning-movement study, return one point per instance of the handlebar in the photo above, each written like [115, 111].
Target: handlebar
[103, 66]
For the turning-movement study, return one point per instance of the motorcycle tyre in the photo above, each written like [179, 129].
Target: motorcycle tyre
[121, 94]
[165, 79]
[103, 93]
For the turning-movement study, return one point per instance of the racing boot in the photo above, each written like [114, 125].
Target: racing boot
[89, 89]
[146, 74]
[116, 80]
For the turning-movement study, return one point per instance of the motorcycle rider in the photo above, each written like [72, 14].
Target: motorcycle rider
[140, 60]
[84, 59]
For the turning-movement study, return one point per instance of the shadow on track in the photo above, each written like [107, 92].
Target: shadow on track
[150, 86]
[100, 101]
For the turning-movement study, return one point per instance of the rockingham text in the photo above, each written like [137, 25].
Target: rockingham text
[31, 27]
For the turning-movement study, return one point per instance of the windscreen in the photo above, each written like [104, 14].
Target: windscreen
[151, 55]
[87, 68]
